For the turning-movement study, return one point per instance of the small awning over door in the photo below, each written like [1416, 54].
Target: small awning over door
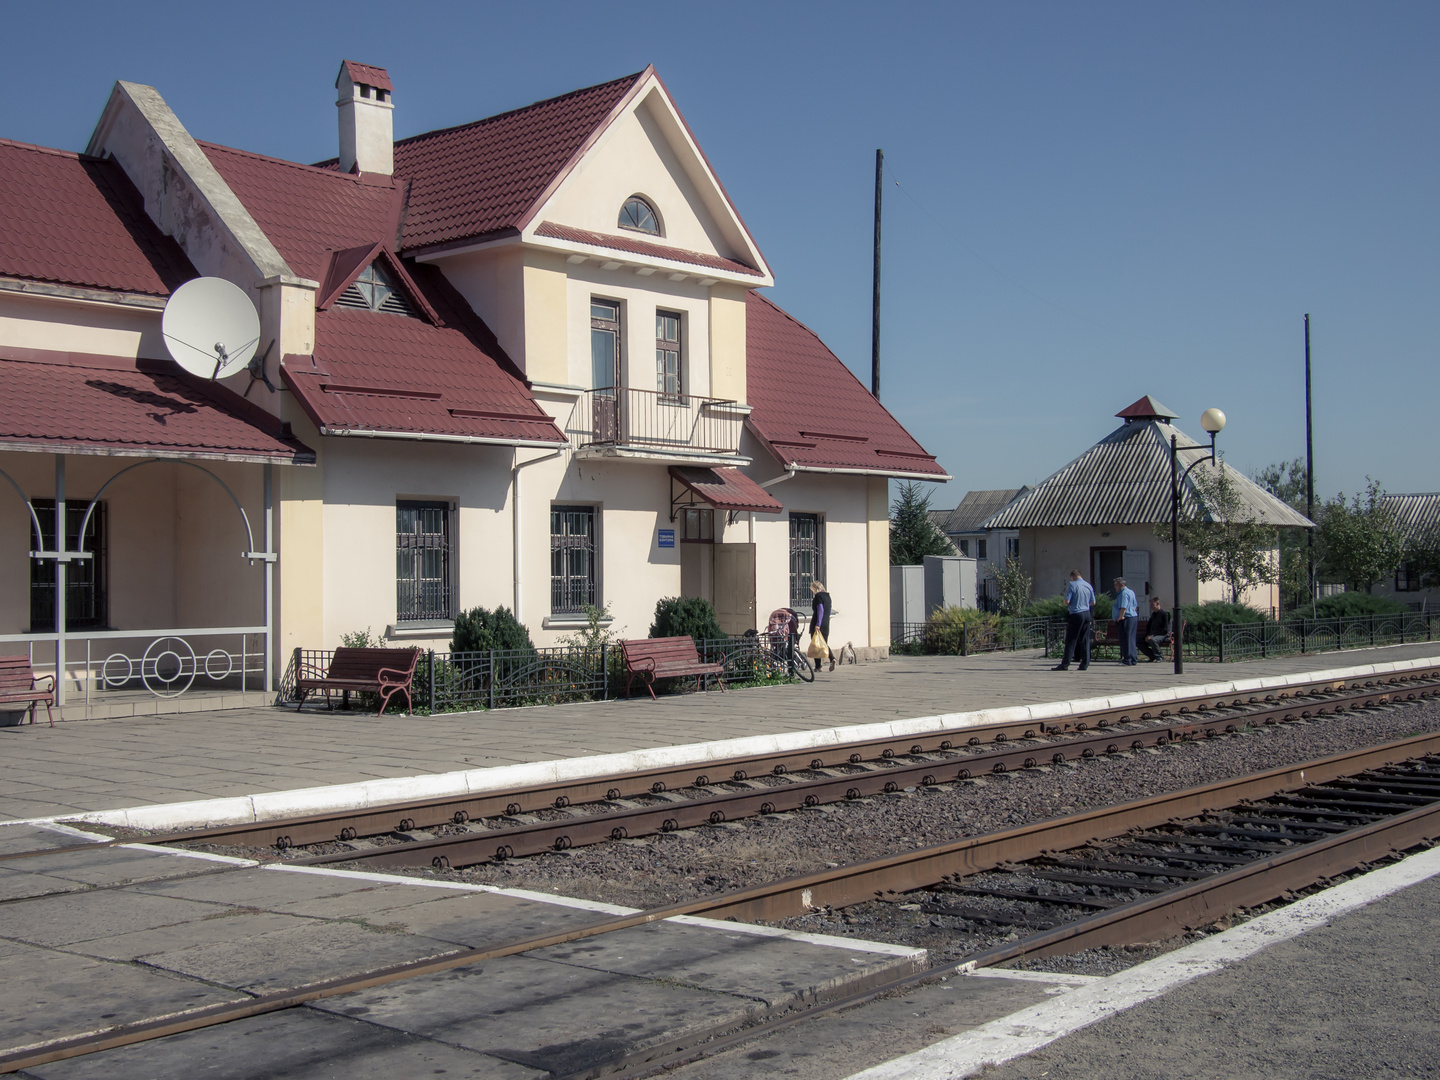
[726, 488]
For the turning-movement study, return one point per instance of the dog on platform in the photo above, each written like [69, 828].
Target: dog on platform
[847, 653]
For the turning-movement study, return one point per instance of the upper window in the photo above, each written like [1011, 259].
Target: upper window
[667, 352]
[375, 290]
[639, 215]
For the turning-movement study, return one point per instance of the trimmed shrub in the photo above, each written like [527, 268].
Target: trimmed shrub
[1203, 621]
[948, 627]
[1048, 608]
[676, 616]
[1348, 604]
[479, 630]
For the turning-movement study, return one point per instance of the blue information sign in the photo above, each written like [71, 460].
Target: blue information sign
[667, 537]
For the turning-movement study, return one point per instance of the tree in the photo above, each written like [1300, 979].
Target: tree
[1360, 541]
[1287, 481]
[1012, 585]
[1223, 541]
[913, 535]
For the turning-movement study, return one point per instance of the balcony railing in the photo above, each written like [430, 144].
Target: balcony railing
[660, 423]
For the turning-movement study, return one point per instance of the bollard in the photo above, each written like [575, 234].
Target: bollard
[432, 682]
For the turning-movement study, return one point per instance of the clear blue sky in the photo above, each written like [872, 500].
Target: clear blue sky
[1096, 201]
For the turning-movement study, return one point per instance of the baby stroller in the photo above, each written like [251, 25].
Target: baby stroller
[783, 632]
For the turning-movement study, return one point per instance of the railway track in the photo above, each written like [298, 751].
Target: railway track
[460, 831]
[1190, 855]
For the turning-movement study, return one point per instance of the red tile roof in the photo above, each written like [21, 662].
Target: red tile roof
[365, 74]
[810, 410]
[74, 220]
[727, 488]
[57, 402]
[643, 247]
[399, 374]
[484, 177]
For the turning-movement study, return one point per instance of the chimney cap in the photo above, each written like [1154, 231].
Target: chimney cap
[364, 75]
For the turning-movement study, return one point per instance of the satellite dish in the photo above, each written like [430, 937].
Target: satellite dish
[210, 327]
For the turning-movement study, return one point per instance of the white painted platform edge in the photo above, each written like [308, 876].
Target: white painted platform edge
[749, 929]
[1030, 1029]
[336, 798]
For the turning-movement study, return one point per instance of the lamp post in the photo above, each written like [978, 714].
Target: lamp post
[1213, 421]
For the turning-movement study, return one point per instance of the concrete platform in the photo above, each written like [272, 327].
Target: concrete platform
[100, 766]
[89, 939]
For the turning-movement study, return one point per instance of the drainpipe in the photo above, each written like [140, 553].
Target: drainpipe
[515, 516]
[790, 475]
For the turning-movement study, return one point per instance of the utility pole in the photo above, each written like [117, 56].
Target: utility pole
[1309, 478]
[875, 312]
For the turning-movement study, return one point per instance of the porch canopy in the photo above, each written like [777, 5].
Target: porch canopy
[725, 488]
[68, 403]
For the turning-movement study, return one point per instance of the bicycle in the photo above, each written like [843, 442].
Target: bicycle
[784, 654]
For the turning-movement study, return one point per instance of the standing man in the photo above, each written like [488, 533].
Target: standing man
[1157, 631]
[1127, 618]
[1080, 623]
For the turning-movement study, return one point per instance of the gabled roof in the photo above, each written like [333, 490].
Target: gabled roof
[365, 74]
[78, 221]
[66, 402]
[975, 508]
[440, 375]
[726, 488]
[1124, 479]
[810, 412]
[1147, 408]
[483, 177]
[1418, 514]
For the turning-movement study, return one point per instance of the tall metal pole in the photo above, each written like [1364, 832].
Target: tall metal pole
[1309, 477]
[61, 548]
[875, 312]
[1175, 642]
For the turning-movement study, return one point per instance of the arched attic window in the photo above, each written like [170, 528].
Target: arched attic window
[375, 290]
[639, 215]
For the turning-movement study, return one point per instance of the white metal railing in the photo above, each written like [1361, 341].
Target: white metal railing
[649, 420]
[162, 661]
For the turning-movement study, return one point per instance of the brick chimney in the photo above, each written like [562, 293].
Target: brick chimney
[367, 129]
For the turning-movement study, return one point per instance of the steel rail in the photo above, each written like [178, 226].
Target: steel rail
[835, 888]
[479, 846]
[409, 816]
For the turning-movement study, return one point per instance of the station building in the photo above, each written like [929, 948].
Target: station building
[522, 362]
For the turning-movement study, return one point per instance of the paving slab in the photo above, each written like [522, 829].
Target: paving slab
[50, 994]
[297, 1045]
[116, 866]
[69, 918]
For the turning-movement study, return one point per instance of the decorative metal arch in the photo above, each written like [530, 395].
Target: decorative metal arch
[34, 519]
[249, 552]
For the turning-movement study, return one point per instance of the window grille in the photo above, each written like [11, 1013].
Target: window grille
[639, 215]
[572, 559]
[86, 580]
[667, 352]
[807, 556]
[423, 589]
[375, 290]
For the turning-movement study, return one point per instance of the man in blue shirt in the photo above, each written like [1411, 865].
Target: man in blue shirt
[1080, 623]
[1127, 618]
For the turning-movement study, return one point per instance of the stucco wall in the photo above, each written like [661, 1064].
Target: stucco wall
[727, 342]
[56, 325]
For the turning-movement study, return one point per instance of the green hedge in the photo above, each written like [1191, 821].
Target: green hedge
[676, 616]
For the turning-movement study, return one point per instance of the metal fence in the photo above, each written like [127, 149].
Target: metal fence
[510, 678]
[992, 634]
[1253, 641]
[648, 419]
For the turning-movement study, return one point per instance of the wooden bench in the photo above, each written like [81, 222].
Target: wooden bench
[386, 672]
[666, 658]
[18, 683]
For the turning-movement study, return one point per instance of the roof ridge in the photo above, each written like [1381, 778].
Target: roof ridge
[207, 146]
[39, 149]
[520, 109]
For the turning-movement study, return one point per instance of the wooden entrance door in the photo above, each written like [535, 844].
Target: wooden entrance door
[735, 587]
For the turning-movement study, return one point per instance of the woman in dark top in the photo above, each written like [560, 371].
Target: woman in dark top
[820, 619]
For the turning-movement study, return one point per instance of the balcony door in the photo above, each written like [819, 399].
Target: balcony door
[605, 369]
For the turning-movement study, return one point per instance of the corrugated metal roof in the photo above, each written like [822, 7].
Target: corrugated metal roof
[1124, 479]
[727, 488]
[1419, 514]
[975, 509]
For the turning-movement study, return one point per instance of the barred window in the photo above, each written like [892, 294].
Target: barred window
[572, 559]
[807, 556]
[86, 580]
[423, 590]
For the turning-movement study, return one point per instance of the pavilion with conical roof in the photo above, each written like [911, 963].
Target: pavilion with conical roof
[1098, 513]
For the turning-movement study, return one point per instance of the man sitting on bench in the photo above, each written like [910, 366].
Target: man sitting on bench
[1157, 631]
